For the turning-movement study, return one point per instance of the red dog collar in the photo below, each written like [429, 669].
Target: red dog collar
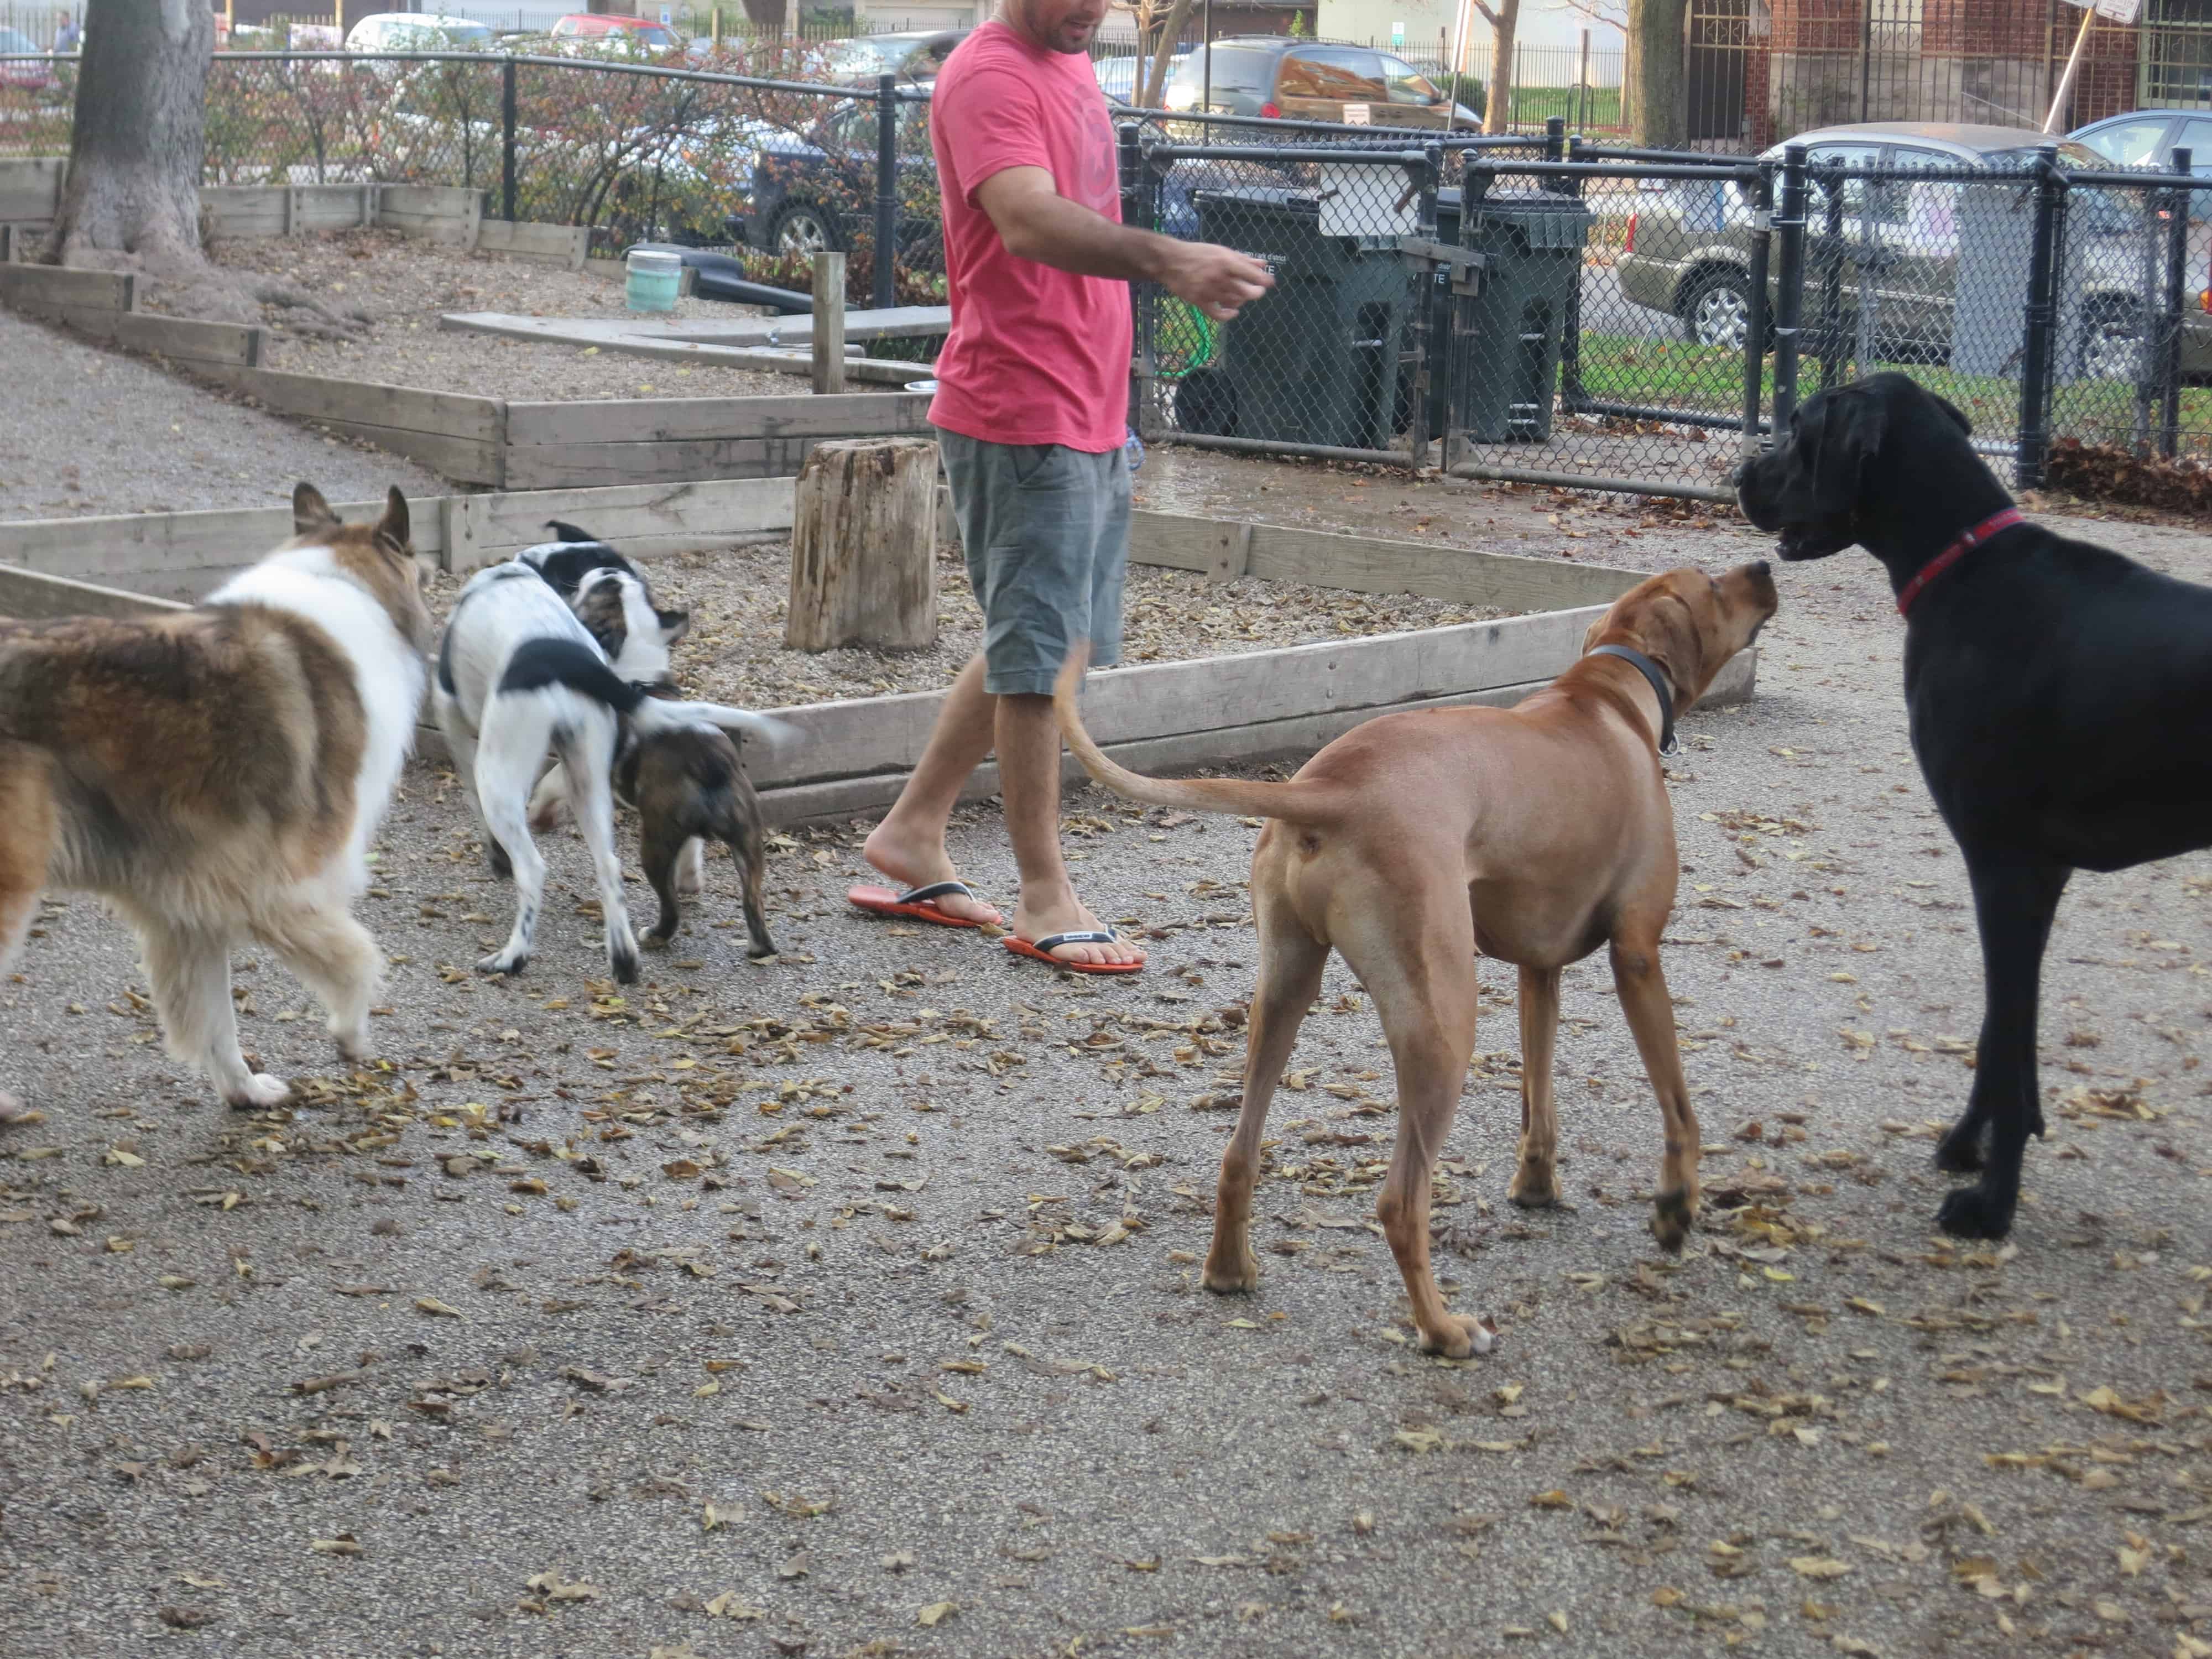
[1967, 542]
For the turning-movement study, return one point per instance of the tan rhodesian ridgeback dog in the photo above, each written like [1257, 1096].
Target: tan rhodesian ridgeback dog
[1534, 835]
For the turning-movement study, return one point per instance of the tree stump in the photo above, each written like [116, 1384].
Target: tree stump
[863, 555]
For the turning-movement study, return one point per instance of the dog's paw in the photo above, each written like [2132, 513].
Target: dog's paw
[1461, 1337]
[504, 962]
[12, 1111]
[622, 965]
[1231, 1271]
[1973, 1212]
[1671, 1214]
[260, 1091]
[352, 1041]
[1534, 1186]
[1964, 1147]
[655, 940]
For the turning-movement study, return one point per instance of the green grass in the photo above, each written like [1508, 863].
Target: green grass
[1677, 375]
[1532, 105]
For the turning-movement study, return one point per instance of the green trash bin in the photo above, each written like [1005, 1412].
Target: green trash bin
[1505, 346]
[1316, 361]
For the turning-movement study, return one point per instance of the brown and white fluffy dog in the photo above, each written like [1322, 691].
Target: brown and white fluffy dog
[215, 775]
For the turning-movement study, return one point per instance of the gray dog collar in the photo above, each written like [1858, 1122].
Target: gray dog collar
[1651, 672]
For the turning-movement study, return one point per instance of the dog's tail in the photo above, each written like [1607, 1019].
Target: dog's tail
[1294, 803]
[537, 664]
[567, 533]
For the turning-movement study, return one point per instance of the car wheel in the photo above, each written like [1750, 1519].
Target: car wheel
[800, 228]
[1716, 311]
[2112, 342]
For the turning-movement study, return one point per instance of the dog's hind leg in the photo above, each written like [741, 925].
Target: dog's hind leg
[586, 751]
[27, 810]
[2014, 900]
[691, 869]
[461, 748]
[1413, 947]
[660, 850]
[505, 767]
[747, 842]
[1291, 963]
[1642, 989]
[189, 969]
[336, 959]
[1535, 1180]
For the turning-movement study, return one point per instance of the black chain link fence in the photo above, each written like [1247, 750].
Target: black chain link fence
[1526, 308]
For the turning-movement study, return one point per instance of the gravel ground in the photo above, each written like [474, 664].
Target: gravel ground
[738, 597]
[92, 431]
[847, 1303]
[404, 285]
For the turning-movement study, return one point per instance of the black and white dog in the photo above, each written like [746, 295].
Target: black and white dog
[520, 675]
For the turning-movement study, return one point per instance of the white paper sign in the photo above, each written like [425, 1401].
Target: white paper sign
[2123, 12]
[1365, 201]
[1355, 115]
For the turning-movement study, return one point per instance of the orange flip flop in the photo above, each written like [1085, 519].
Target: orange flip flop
[1043, 952]
[914, 902]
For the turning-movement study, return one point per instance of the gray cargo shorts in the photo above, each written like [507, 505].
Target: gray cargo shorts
[1046, 528]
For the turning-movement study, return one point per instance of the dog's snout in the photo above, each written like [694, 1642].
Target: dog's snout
[1760, 567]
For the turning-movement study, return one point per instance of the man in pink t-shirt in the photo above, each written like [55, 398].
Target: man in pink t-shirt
[1031, 416]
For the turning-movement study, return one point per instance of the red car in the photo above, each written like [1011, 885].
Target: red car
[640, 35]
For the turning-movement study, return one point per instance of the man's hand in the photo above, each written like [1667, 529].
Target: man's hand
[1216, 280]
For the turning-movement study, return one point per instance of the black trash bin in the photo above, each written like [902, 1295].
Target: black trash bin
[1505, 349]
[1316, 361]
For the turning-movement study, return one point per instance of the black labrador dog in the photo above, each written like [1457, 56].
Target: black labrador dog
[2059, 696]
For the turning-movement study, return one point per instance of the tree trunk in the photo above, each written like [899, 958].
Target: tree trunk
[138, 139]
[1654, 83]
[863, 547]
[1504, 23]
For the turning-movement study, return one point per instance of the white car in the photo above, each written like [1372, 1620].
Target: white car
[418, 31]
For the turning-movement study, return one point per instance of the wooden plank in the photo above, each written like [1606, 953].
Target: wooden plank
[31, 188]
[331, 207]
[828, 345]
[186, 339]
[896, 322]
[1368, 565]
[33, 597]
[244, 212]
[32, 288]
[436, 213]
[111, 547]
[641, 519]
[320, 397]
[1154, 700]
[658, 420]
[818, 801]
[578, 466]
[561, 245]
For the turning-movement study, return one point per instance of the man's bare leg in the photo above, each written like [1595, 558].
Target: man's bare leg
[908, 845]
[1028, 778]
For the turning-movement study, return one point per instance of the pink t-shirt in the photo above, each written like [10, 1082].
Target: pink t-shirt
[1036, 356]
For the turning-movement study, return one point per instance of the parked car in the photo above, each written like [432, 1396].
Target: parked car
[811, 191]
[1117, 76]
[2148, 137]
[418, 31]
[1281, 76]
[23, 75]
[915, 56]
[1688, 249]
[609, 32]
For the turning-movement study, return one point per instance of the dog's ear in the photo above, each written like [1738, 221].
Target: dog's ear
[569, 533]
[1590, 633]
[1837, 433]
[674, 625]
[310, 511]
[392, 528]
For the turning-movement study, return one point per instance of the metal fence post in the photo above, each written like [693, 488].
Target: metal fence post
[1755, 343]
[506, 140]
[886, 257]
[1790, 284]
[1555, 138]
[1829, 337]
[2177, 260]
[1571, 395]
[2041, 319]
[1130, 158]
[1425, 280]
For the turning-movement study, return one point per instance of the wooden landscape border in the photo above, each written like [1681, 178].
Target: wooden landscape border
[480, 441]
[854, 756]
